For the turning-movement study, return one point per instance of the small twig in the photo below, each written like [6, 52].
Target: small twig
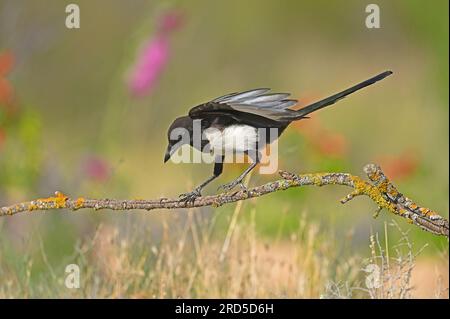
[379, 189]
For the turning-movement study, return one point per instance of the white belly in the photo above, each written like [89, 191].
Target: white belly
[236, 138]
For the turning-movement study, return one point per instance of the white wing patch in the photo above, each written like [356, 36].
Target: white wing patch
[236, 138]
[258, 98]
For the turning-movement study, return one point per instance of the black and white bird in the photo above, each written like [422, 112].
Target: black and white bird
[233, 122]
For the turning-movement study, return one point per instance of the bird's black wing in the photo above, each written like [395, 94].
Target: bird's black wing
[254, 107]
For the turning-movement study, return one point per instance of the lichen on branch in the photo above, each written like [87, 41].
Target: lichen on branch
[378, 188]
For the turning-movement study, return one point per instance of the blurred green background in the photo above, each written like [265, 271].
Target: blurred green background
[68, 121]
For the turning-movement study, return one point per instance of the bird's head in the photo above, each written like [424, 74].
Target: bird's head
[178, 134]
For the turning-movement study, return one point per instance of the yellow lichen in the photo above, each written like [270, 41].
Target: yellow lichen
[316, 179]
[375, 193]
[32, 206]
[79, 203]
[427, 212]
[58, 201]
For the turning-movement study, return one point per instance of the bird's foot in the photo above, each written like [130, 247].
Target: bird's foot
[229, 186]
[191, 196]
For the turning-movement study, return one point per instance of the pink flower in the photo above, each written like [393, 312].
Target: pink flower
[153, 59]
[96, 169]
[150, 65]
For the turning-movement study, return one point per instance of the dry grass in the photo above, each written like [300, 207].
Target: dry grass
[192, 262]
[398, 276]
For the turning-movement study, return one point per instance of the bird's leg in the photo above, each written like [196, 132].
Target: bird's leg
[191, 196]
[238, 181]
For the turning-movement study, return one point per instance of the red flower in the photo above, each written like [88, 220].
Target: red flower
[399, 167]
[332, 144]
[170, 21]
[6, 62]
[2, 138]
[6, 90]
[321, 139]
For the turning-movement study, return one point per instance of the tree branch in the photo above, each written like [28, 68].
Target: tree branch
[379, 189]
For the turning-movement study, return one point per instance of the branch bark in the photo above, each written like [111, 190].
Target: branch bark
[378, 188]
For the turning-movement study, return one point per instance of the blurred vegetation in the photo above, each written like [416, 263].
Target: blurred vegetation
[69, 122]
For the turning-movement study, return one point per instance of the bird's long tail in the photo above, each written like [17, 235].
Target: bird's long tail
[336, 97]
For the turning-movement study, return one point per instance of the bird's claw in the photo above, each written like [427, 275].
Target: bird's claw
[191, 196]
[229, 186]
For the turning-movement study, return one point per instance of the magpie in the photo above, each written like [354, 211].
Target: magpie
[233, 122]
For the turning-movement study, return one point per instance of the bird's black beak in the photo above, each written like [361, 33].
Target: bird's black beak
[167, 155]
